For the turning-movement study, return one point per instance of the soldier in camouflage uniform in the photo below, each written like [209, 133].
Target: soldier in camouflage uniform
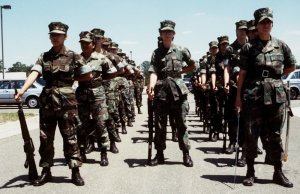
[109, 85]
[124, 103]
[91, 97]
[261, 94]
[251, 31]
[139, 82]
[59, 67]
[169, 92]
[208, 81]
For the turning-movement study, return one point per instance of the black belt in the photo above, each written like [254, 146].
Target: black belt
[90, 84]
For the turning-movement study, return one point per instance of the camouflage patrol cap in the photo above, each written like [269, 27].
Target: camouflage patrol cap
[167, 25]
[86, 36]
[263, 13]
[213, 44]
[58, 28]
[114, 45]
[223, 39]
[251, 25]
[242, 24]
[99, 33]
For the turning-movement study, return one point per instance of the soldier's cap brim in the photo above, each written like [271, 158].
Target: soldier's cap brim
[85, 40]
[57, 32]
[251, 28]
[265, 17]
[167, 28]
[214, 46]
[98, 36]
[242, 27]
[224, 41]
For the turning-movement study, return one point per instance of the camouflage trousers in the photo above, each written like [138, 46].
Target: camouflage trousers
[138, 95]
[66, 120]
[97, 110]
[131, 98]
[265, 121]
[162, 108]
[113, 115]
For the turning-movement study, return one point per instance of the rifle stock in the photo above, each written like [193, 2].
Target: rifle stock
[150, 127]
[28, 145]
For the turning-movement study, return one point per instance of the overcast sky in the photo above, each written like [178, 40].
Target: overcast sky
[134, 24]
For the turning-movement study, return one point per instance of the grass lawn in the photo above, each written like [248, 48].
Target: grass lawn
[6, 117]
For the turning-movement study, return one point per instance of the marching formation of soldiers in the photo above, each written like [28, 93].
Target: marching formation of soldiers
[238, 91]
[236, 87]
[108, 82]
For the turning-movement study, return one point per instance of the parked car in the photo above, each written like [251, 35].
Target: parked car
[294, 79]
[30, 97]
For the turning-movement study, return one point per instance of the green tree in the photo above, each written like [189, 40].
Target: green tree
[20, 67]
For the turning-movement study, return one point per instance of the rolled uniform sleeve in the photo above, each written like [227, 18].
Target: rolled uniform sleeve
[244, 57]
[80, 66]
[38, 65]
[289, 58]
[152, 67]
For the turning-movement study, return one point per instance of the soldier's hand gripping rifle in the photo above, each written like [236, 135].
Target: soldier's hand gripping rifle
[28, 145]
[150, 126]
[289, 115]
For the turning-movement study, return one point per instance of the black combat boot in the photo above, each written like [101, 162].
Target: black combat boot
[230, 148]
[90, 147]
[76, 178]
[187, 160]
[215, 137]
[242, 161]
[46, 176]
[129, 123]
[113, 148]
[103, 158]
[139, 110]
[82, 154]
[174, 135]
[249, 180]
[279, 178]
[118, 138]
[124, 131]
[158, 159]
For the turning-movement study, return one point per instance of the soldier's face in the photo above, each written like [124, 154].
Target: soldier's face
[264, 26]
[241, 33]
[57, 39]
[86, 46]
[167, 35]
[214, 50]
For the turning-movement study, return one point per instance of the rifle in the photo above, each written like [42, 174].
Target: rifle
[289, 115]
[225, 125]
[237, 146]
[150, 126]
[28, 145]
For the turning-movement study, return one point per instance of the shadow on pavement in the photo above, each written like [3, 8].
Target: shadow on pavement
[139, 139]
[221, 162]
[230, 179]
[211, 150]
[12, 182]
[132, 163]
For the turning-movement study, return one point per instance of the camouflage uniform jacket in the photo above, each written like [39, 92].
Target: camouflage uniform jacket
[59, 70]
[166, 63]
[100, 66]
[264, 66]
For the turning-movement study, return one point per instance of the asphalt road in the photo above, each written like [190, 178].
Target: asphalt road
[213, 171]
